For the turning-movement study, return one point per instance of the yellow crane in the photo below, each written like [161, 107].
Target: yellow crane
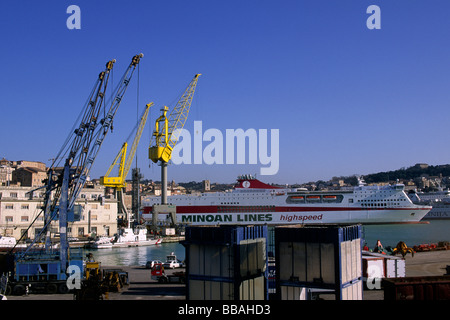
[165, 137]
[124, 163]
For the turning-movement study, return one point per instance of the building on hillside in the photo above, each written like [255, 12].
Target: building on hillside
[30, 164]
[28, 176]
[23, 172]
[206, 185]
[5, 175]
[20, 206]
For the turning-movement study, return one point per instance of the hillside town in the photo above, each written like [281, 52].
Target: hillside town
[22, 193]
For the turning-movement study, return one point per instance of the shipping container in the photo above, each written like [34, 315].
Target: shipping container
[417, 288]
[323, 258]
[226, 263]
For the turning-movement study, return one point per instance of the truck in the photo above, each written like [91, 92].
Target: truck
[159, 275]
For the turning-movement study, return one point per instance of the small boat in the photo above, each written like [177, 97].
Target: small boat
[129, 238]
[102, 243]
[7, 242]
[172, 262]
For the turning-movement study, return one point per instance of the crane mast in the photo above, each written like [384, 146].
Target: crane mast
[79, 140]
[123, 162]
[79, 151]
[166, 134]
[106, 125]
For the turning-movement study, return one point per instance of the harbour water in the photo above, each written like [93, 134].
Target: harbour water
[389, 235]
[137, 256]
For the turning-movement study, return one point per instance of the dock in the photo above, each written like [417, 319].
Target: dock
[142, 287]
[169, 239]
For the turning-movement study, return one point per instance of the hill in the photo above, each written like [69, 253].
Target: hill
[410, 173]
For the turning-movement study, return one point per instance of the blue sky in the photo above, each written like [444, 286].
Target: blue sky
[346, 99]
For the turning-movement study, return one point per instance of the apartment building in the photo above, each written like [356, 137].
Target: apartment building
[24, 173]
[20, 206]
[28, 176]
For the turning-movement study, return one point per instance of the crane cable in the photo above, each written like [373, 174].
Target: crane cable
[63, 151]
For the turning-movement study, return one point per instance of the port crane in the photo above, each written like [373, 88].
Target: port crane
[165, 137]
[77, 155]
[123, 162]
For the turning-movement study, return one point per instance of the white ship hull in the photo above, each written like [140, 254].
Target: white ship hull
[306, 217]
[253, 202]
[101, 246]
[102, 243]
[136, 243]
[126, 238]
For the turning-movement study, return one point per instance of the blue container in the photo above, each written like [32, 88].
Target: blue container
[309, 259]
[41, 266]
[226, 262]
[224, 234]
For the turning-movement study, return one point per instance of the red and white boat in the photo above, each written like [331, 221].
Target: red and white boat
[254, 202]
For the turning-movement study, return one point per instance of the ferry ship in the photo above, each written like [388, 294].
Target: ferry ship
[439, 201]
[254, 202]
